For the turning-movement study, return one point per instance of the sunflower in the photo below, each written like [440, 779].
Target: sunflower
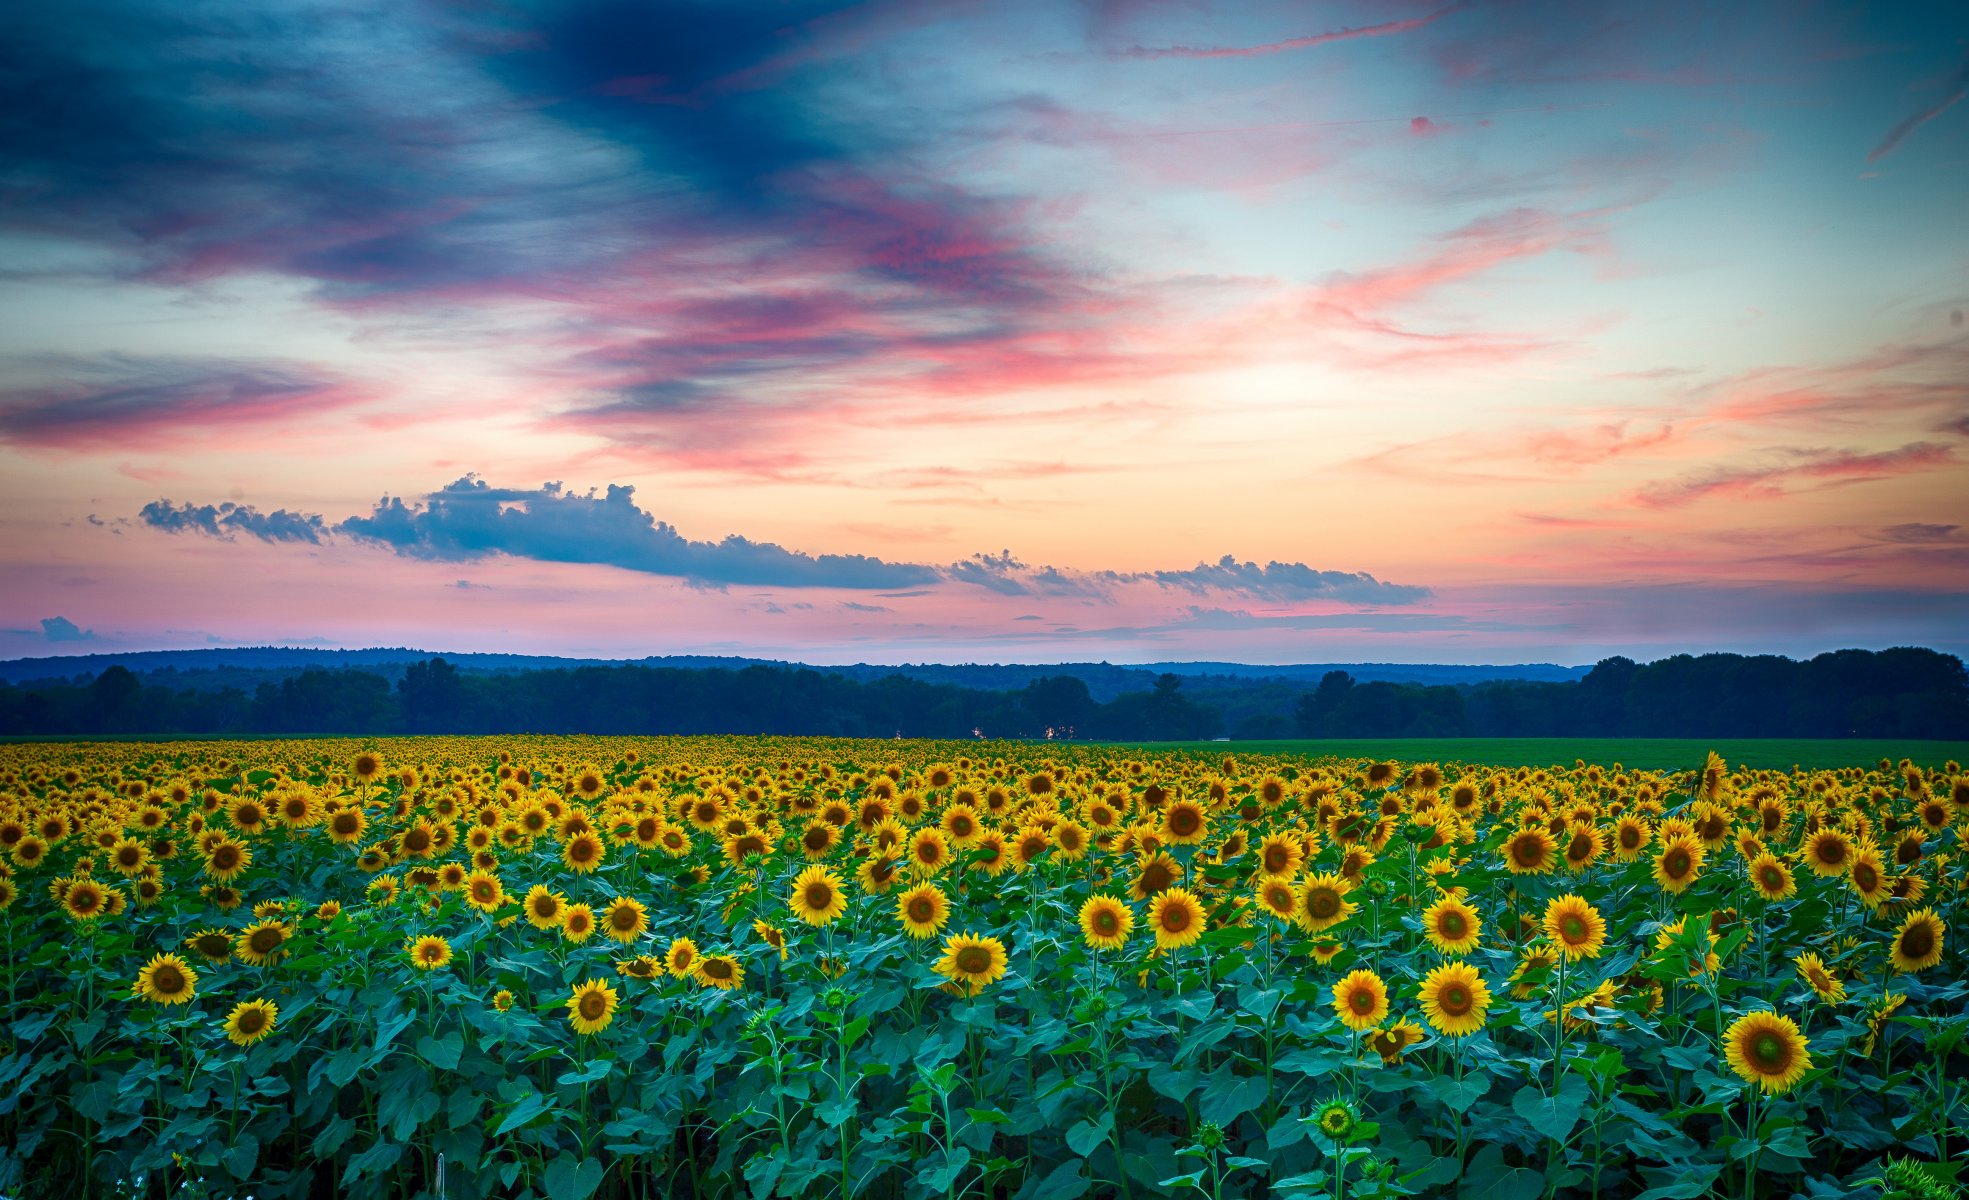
[961, 825]
[1678, 863]
[1393, 1042]
[1325, 950]
[166, 979]
[1828, 987]
[1631, 835]
[1877, 1017]
[226, 860]
[878, 874]
[428, 953]
[1868, 876]
[1583, 845]
[625, 919]
[1361, 1000]
[922, 910]
[583, 852]
[128, 856]
[259, 944]
[1666, 939]
[1828, 853]
[1279, 856]
[1155, 872]
[772, 935]
[720, 971]
[543, 907]
[971, 963]
[1184, 823]
[85, 899]
[212, 945]
[1336, 1119]
[367, 766]
[577, 923]
[484, 892]
[1918, 942]
[251, 1021]
[1177, 917]
[929, 851]
[591, 1007]
[1277, 896]
[1771, 877]
[1454, 999]
[1105, 922]
[1766, 1049]
[1576, 928]
[1530, 851]
[1451, 926]
[817, 897]
[1322, 903]
[347, 825]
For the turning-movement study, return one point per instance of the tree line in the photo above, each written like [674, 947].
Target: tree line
[1905, 693]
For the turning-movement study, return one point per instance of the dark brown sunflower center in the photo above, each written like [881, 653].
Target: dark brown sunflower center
[1323, 902]
[1676, 864]
[922, 909]
[1769, 1050]
[1527, 851]
[1452, 926]
[819, 896]
[1455, 999]
[167, 980]
[593, 1005]
[1105, 922]
[1176, 918]
[1362, 1001]
[974, 960]
[1917, 941]
[252, 1020]
[264, 941]
[717, 968]
[1574, 929]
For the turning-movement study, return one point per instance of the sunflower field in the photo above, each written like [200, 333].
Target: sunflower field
[748, 967]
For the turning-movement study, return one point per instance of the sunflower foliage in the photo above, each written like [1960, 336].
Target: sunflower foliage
[574, 967]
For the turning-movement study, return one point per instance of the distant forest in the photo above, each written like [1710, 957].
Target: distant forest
[1902, 693]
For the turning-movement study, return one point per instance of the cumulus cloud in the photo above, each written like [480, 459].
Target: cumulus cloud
[469, 519]
[61, 629]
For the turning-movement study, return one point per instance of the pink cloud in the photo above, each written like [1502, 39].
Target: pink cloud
[1826, 468]
[1297, 43]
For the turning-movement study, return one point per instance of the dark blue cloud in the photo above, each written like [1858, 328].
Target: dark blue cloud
[61, 629]
[470, 519]
[1280, 581]
[224, 520]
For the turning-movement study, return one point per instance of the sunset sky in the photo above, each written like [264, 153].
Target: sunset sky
[1290, 332]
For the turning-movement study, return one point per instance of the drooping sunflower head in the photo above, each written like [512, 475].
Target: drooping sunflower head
[1575, 927]
[720, 971]
[591, 1006]
[1106, 922]
[1454, 999]
[250, 1021]
[1394, 1040]
[1918, 942]
[1828, 987]
[1361, 1000]
[1766, 1049]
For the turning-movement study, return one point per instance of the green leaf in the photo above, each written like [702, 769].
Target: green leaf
[1089, 1135]
[595, 1069]
[949, 1165]
[1553, 1116]
[1065, 1182]
[987, 1116]
[1230, 1096]
[241, 1157]
[530, 1106]
[1459, 1095]
[442, 1053]
[569, 1178]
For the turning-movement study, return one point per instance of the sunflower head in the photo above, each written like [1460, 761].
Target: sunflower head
[429, 953]
[1766, 1049]
[817, 896]
[251, 1021]
[1337, 1119]
[1575, 927]
[1361, 1000]
[591, 1006]
[166, 979]
[1106, 922]
[1454, 999]
[1918, 942]
[1177, 918]
[970, 963]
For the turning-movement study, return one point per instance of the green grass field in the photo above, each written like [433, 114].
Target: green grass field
[1645, 753]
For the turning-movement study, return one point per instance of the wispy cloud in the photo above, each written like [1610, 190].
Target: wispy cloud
[1296, 43]
[1953, 90]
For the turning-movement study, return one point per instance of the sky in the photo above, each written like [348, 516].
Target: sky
[1025, 332]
